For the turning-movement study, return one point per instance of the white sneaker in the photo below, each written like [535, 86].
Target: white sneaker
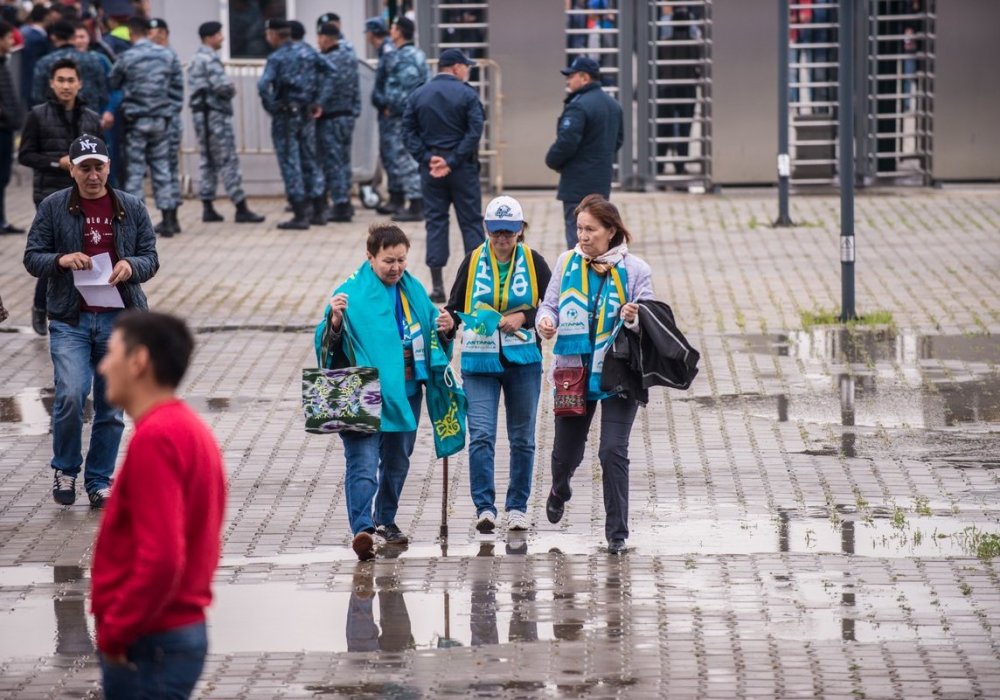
[487, 522]
[517, 521]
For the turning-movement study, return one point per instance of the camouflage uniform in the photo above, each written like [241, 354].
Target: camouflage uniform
[405, 70]
[153, 83]
[211, 94]
[340, 99]
[94, 91]
[378, 101]
[175, 132]
[288, 88]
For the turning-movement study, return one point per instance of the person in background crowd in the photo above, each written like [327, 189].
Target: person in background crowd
[94, 88]
[36, 45]
[289, 90]
[406, 70]
[11, 118]
[377, 34]
[588, 135]
[152, 84]
[442, 126]
[211, 92]
[341, 105]
[501, 276]
[595, 289]
[72, 227]
[159, 34]
[45, 140]
[157, 548]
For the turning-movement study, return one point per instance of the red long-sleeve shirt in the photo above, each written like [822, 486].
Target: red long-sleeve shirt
[158, 545]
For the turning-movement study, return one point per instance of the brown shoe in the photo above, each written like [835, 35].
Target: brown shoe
[364, 546]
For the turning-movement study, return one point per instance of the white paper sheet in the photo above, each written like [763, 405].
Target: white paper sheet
[93, 283]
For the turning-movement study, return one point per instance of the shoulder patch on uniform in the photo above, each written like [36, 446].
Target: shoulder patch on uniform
[567, 122]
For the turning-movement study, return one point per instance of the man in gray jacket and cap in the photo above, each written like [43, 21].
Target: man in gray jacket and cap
[82, 228]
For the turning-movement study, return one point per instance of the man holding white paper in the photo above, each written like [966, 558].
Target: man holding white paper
[97, 244]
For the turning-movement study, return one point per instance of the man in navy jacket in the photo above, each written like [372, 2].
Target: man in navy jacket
[588, 136]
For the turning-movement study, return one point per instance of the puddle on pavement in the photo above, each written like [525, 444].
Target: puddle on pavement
[896, 380]
[31, 410]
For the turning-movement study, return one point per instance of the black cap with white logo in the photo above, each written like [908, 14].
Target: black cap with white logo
[88, 147]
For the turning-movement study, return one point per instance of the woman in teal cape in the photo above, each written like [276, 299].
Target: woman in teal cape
[382, 317]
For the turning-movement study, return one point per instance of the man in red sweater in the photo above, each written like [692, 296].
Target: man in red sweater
[158, 545]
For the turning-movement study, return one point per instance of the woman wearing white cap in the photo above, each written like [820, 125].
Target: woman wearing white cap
[593, 294]
[495, 295]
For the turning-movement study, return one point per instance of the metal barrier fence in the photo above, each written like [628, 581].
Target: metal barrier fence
[895, 95]
[900, 89]
[677, 99]
[252, 125]
[594, 29]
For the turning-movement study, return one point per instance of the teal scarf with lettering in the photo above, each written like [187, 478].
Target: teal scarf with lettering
[486, 302]
[582, 332]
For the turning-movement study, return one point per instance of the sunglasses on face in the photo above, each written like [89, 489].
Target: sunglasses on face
[504, 234]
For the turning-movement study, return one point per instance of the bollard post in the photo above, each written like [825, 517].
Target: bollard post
[784, 162]
[845, 110]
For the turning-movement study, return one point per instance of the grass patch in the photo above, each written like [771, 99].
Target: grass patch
[985, 545]
[831, 317]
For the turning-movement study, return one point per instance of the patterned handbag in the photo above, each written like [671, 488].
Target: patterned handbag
[335, 400]
[344, 399]
[571, 395]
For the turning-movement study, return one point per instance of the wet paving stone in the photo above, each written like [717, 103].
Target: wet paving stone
[819, 516]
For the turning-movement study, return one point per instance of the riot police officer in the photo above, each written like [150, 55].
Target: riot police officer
[405, 70]
[341, 103]
[289, 91]
[212, 93]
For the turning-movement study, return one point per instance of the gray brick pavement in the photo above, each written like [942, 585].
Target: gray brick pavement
[805, 520]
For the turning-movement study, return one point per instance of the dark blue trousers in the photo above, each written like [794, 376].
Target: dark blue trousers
[568, 209]
[461, 188]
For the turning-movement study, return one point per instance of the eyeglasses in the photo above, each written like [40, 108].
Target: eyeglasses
[504, 234]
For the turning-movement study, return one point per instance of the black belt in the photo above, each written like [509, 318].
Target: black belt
[341, 113]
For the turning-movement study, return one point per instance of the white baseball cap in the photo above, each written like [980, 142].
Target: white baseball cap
[503, 214]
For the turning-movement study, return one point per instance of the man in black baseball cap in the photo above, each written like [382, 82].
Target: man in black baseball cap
[588, 136]
[454, 57]
[583, 64]
[72, 228]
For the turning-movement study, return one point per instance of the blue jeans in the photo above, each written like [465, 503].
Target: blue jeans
[377, 465]
[521, 385]
[165, 665]
[76, 351]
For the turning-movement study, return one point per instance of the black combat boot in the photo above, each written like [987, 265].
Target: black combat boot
[437, 285]
[244, 215]
[165, 228]
[300, 222]
[395, 203]
[208, 213]
[317, 216]
[341, 212]
[415, 212]
[174, 221]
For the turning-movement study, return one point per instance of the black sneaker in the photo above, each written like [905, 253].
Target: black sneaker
[617, 547]
[392, 534]
[554, 507]
[63, 488]
[99, 497]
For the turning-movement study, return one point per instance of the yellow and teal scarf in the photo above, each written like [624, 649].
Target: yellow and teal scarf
[485, 304]
[582, 332]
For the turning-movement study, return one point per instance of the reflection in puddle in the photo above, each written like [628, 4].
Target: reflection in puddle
[31, 410]
[934, 381]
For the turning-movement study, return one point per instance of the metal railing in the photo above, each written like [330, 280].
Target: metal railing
[678, 49]
[252, 125]
[900, 91]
